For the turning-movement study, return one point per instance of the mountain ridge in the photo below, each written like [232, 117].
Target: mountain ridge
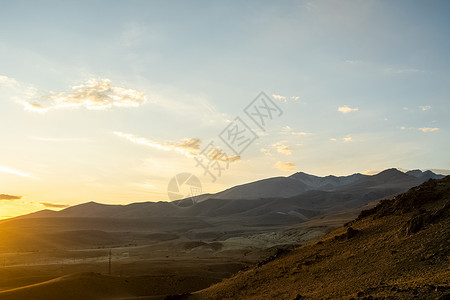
[251, 215]
[387, 182]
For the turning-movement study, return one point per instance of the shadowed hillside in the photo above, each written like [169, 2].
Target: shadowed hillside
[396, 250]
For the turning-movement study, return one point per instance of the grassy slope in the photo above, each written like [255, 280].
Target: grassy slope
[400, 251]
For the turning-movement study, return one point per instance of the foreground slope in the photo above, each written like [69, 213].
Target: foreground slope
[94, 286]
[399, 249]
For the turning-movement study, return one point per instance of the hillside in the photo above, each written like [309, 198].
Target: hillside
[396, 250]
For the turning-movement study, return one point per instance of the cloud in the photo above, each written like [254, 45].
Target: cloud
[352, 62]
[215, 153]
[345, 109]
[347, 139]
[393, 70]
[425, 108]
[8, 82]
[285, 166]
[428, 129]
[52, 205]
[285, 98]
[289, 130]
[93, 94]
[30, 106]
[402, 128]
[266, 151]
[371, 172]
[282, 148]
[8, 170]
[9, 197]
[189, 147]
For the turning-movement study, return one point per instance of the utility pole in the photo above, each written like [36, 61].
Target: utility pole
[109, 263]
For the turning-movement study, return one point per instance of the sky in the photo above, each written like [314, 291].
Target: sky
[107, 101]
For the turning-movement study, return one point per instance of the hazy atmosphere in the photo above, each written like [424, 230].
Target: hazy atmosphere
[210, 150]
[121, 96]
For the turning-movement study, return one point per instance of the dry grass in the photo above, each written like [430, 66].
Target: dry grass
[380, 258]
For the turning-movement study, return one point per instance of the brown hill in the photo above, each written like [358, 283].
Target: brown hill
[396, 250]
[94, 286]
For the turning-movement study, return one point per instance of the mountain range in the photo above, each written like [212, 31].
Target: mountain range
[256, 207]
[296, 198]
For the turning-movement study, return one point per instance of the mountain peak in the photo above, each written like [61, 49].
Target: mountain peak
[390, 172]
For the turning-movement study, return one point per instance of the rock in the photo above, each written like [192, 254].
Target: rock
[351, 233]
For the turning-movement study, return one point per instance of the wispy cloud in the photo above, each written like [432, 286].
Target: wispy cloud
[282, 148]
[289, 130]
[346, 109]
[7, 81]
[219, 155]
[188, 147]
[371, 172]
[266, 151]
[428, 129]
[9, 197]
[352, 62]
[52, 205]
[394, 70]
[333, 139]
[285, 98]
[425, 108]
[347, 139]
[285, 166]
[9, 170]
[94, 94]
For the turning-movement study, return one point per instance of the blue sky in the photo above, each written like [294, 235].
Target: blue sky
[108, 100]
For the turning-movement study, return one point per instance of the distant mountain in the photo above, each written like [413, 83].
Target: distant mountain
[284, 187]
[329, 182]
[273, 201]
[424, 175]
[298, 183]
[281, 187]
